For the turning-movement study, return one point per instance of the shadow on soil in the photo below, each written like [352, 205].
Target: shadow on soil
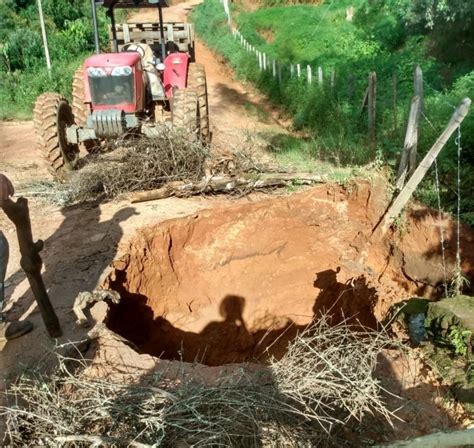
[75, 255]
[230, 340]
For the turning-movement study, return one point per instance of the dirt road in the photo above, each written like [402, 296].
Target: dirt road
[81, 241]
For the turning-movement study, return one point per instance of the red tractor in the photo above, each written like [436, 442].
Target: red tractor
[148, 81]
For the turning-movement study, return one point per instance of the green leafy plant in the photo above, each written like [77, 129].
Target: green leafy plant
[459, 340]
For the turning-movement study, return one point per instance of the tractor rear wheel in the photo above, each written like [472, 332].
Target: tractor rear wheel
[52, 115]
[197, 82]
[185, 112]
[80, 109]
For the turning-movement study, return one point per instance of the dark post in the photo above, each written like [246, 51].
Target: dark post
[31, 262]
[96, 27]
[394, 101]
[111, 14]
[372, 100]
[162, 33]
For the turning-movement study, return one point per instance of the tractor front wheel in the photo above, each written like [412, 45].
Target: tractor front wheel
[197, 82]
[185, 112]
[52, 115]
[80, 109]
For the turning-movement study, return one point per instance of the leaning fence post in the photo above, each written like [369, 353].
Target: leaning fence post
[372, 108]
[411, 140]
[310, 73]
[407, 191]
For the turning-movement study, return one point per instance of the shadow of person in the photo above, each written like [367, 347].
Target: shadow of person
[353, 300]
[230, 339]
[74, 256]
[220, 342]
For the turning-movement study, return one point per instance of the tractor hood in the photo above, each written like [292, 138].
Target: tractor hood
[129, 58]
[132, 3]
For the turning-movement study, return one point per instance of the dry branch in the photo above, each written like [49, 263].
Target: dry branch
[227, 184]
[437, 440]
[296, 401]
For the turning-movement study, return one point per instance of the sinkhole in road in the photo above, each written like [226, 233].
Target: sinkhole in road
[237, 283]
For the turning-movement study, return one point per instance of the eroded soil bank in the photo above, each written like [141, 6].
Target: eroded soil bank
[234, 284]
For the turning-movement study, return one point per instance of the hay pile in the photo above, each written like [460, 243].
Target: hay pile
[323, 382]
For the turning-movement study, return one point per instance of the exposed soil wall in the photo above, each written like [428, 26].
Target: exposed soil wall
[225, 285]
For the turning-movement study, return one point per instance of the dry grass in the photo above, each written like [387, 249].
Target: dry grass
[324, 381]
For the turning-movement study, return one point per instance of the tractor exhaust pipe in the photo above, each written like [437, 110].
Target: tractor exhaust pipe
[95, 26]
[162, 33]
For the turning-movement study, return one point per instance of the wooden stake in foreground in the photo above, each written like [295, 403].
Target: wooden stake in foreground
[420, 172]
[31, 262]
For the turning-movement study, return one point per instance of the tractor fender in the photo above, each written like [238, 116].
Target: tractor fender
[176, 72]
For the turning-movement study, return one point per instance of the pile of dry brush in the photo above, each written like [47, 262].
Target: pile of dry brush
[146, 163]
[140, 163]
[323, 382]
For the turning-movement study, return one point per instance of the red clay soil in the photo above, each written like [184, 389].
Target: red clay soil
[224, 285]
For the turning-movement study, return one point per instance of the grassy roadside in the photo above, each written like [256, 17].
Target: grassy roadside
[332, 117]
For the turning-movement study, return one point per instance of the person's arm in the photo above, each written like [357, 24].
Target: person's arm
[6, 188]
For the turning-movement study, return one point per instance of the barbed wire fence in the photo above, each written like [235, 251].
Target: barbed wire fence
[381, 102]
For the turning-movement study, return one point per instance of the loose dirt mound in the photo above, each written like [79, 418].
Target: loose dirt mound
[228, 284]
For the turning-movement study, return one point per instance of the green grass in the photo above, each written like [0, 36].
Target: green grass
[321, 36]
[19, 90]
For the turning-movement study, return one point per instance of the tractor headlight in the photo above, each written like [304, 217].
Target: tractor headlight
[96, 72]
[122, 71]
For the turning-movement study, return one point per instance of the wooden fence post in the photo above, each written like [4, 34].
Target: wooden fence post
[279, 73]
[394, 101]
[420, 172]
[411, 140]
[310, 74]
[372, 108]
[264, 61]
[350, 86]
[333, 79]
[320, 75]
[298, 70]
[292, 70]
[418, 87]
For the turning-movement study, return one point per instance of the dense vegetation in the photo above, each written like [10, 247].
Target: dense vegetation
[388, 37]
[23, 73]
